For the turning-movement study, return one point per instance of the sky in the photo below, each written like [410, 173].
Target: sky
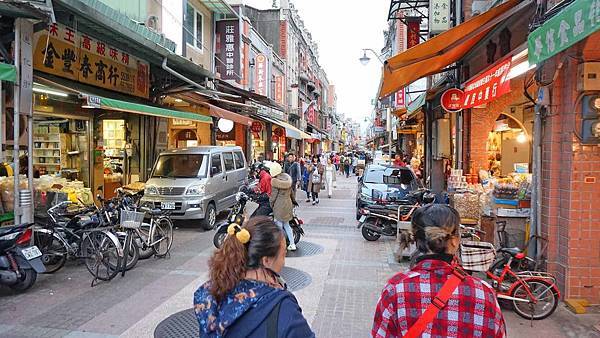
[342, 28]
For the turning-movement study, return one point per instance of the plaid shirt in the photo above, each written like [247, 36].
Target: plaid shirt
[472, 310]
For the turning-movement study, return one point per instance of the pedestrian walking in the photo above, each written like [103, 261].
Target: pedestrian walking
[282, 201]
[342, 161]
[464, 306]
[292, 168]
[337, 162]
[245, 296]
[347, 166]
[315, 179]
[330, 177]
[354, 163]
[305, 177]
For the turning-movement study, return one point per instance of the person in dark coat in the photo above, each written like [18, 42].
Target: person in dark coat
[245, 296]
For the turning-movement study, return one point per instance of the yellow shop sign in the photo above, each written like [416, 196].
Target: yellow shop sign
[62, 51]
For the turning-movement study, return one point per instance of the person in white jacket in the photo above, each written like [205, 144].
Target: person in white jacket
[329, 177]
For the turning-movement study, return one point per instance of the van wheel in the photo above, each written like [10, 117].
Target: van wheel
[210, 218]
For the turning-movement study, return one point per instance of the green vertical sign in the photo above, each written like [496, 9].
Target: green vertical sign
[575, 22]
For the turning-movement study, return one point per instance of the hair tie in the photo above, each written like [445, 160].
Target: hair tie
[242, 235]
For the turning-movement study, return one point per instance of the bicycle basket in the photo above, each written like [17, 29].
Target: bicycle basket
[477, 256]
[131, 219]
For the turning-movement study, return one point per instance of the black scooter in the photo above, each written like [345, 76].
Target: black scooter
[19, 262]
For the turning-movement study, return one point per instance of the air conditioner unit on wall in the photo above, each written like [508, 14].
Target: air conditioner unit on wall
[589, 76]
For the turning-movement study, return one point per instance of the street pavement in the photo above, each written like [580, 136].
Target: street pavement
[337, 279]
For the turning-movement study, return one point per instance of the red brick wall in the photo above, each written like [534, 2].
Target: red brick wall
[570, 212]
[483, 121]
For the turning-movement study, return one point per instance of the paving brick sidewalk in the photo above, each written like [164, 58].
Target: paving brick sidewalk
[359, 270]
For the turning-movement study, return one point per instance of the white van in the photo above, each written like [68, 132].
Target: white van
[197, 183]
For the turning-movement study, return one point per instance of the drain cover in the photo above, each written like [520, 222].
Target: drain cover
[181, 324]
[305, 249]
[295, 279]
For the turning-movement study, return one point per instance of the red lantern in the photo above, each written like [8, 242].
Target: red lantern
[256, 127]
[275, 138]
[278, 131]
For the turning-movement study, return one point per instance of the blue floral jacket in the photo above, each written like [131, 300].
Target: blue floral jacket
[244, 312]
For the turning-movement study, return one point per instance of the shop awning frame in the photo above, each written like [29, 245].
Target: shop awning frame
[137, 108]
[290, 131]
[434, 55]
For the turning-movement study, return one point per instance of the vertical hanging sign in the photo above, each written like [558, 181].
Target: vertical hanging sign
[25, 66]
[400, 99]
[260, 85]
[412, 31]
[228, 32]
[439, 16]
[279, 89]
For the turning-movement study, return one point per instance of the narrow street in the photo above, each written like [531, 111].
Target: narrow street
[336, 275]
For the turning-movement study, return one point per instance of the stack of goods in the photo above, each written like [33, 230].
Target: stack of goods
[7, 189]
[512, 195]
[468, 206]
[456, 181]
[50, 190]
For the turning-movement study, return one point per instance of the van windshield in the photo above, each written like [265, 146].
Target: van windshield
[181, 166]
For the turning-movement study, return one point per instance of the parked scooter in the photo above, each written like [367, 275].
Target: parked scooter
[391, 217]
[19, 262]
[242, 210]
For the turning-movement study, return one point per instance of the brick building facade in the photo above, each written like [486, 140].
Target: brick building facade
[570, 213]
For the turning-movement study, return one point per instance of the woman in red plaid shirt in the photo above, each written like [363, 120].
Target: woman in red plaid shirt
[472, 309]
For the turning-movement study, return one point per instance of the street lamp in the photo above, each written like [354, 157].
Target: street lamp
[364, 60]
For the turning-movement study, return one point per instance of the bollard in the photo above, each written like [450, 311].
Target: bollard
[26, 204]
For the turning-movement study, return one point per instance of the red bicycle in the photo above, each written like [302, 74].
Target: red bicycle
[534, 295]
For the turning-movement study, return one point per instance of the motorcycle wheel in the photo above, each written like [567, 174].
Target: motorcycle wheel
[54, 251]
[369, 234]
[28, 277]
[219, 237]
[296, 236]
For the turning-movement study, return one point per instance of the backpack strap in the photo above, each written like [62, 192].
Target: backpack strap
[437, 303]
[273, 322]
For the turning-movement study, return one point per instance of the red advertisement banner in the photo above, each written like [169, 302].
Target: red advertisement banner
[400, 99]
[412, 32]
[260, 85]
[488, 85]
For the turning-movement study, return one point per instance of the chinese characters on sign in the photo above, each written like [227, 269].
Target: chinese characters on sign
[279, 89]
[412, 31]
[575, 22]
[82, 58]
[229, 49]
[488, 86]
[439, 16]
[400, 99]
[260, 83]
[283, 39]
[452, 100]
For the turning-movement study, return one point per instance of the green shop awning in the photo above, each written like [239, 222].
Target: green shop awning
[136, 108]
[414, 106]
[8, 72]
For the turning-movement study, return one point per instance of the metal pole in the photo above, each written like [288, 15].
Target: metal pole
[389, 129]
[537, 175]
[16, 117]
[459, 140]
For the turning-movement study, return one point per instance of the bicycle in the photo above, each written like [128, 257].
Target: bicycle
[80, 237]
[533, 289]
[155, 237]
[130, 222]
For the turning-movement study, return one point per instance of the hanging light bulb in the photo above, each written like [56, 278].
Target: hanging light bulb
[521, 138]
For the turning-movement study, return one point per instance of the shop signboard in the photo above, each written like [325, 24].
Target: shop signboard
[283, 39]
[439, 16]
[279, 89]
[413, 28]
[488, 86]
[225, 136]
[401, 99]
[26, 65]
[228, 39]
[62, 51]
[256, 127]
[452, 100]
[260, 82]
[575, 22]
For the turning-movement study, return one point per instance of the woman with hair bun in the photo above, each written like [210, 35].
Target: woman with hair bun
[245, 296]
[464, 306]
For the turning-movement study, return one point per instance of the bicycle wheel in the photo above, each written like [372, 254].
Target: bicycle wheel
[547, 299]
[146, 250]
[54, 250]
[133, 254]
[101, 255]
[162, 236]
